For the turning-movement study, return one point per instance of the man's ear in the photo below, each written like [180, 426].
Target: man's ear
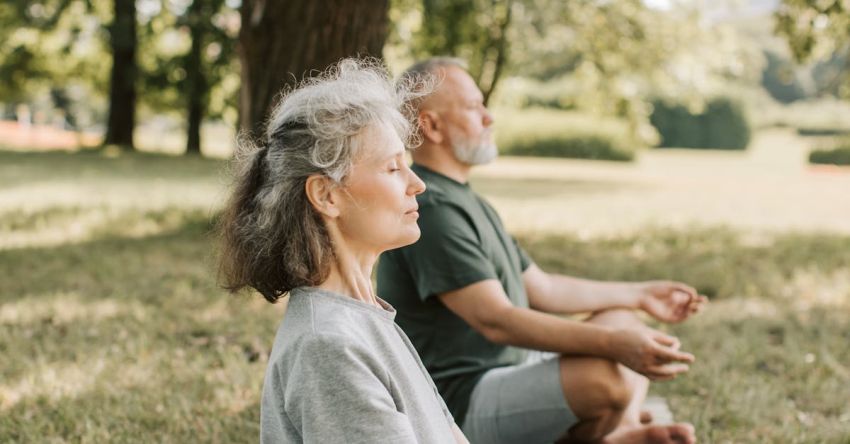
[320, 192]
[431, 126]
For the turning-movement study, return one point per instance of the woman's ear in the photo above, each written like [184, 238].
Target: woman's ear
[431, 126]
[319, 189]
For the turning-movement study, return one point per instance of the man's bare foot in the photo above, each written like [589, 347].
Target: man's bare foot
[681, 433]
[645, 417]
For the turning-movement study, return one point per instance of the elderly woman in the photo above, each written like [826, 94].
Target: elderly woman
[312, 209]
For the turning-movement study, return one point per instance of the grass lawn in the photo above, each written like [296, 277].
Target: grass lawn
[113, 328]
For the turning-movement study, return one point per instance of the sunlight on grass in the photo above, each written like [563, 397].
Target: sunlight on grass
[69, 225]
[66, 308]
[808, 288]
[118, 332]
[54, 381]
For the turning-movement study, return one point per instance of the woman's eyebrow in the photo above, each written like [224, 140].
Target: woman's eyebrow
[396, 153]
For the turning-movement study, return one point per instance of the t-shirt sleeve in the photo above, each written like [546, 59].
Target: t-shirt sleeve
[524, 259]
[448, 254]
[336, 395]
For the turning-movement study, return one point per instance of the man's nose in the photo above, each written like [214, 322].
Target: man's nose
[488, 118]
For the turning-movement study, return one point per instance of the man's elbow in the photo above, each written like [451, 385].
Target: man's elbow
[496, 330]
[497, 336]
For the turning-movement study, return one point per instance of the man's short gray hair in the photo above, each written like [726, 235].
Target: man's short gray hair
[425, 76]
[272, 238]
[430, 66]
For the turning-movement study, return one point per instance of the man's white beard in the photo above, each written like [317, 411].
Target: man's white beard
[472, 153]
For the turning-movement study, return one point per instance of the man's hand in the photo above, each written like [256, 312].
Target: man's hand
[669, 301]
[650, 353]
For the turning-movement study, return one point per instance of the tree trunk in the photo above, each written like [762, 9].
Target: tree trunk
[122, 86]
[500, 47]
[280, 42]
[196, 83]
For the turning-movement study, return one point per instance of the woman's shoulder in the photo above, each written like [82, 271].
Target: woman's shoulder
[320, 350]
[315, 321]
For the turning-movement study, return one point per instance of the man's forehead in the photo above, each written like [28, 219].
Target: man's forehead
[455, 84]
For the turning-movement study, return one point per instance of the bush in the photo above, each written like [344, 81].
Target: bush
[722, 125]
[822, 131]
[550, 133]
[837, 155]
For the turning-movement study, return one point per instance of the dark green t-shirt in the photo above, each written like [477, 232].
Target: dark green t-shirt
[463, 242]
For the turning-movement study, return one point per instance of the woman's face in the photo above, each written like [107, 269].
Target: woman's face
[379, 209]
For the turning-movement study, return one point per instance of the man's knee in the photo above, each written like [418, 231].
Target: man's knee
[597, 392]
[595, 388]
[611, 383]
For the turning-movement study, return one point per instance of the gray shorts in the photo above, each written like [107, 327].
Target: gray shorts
[519, 404]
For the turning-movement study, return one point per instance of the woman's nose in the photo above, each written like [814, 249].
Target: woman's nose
[416, 185]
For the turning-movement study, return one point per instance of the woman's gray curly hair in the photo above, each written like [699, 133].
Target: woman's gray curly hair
[272, 239]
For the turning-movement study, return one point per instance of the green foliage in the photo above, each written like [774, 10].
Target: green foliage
[166, 40]
[780, 80]
[620, 54]
[723, 125]
[547, 133]
[575, 146]
[54, 48]
[836, 155]
[816, 29]
[822, 131]
[474, 30]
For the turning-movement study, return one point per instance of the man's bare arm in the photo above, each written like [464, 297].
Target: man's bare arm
[486, 308]
[554, 293]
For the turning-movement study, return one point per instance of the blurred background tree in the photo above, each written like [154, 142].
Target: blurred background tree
[280, 42]
[474, 30]
[189, 63]
[51, 55]
[627, 65]
[817, 29]
[123, 42]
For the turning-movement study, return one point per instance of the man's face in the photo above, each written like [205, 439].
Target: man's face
[467, 123]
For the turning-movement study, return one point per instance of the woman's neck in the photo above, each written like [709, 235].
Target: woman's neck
[351, 275]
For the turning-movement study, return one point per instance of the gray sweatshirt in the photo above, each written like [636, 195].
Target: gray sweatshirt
[342, 371]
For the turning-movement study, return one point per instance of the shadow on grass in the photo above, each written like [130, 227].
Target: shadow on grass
[110, 264]
[25, 167]
[169, 408]
[127, 339]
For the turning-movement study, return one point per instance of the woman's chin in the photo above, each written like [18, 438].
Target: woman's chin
[410, 236]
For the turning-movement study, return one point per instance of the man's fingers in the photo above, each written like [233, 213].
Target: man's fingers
[691, 292]
[654, 377]
[666, 340]
[697, 304]
[669, 354]
[666, 371]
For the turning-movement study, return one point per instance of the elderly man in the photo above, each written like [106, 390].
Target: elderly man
[474, 304]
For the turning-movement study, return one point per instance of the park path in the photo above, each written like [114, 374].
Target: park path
[768, 187]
